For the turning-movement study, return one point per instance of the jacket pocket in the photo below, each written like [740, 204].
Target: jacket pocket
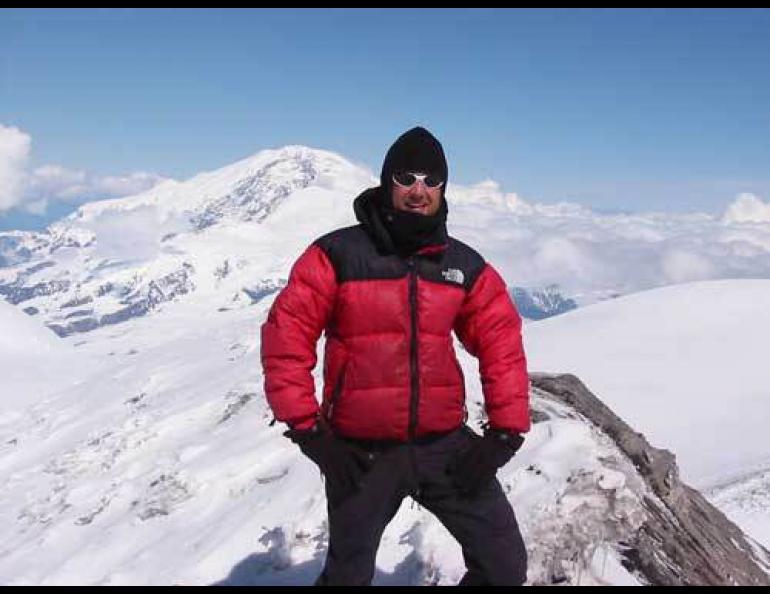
[336, 391]
[462, 383]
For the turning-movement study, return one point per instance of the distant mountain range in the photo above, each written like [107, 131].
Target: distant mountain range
[210, 238]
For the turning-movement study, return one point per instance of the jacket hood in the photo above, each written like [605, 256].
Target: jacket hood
[379, 219]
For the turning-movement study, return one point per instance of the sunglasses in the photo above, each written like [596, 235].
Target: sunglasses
[406, 179]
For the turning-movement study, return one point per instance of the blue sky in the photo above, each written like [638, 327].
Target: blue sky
[620, 110]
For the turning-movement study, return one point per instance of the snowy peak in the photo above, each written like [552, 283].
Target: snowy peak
[263, 182]
[256, 196]
[114, 260]
[246, 190]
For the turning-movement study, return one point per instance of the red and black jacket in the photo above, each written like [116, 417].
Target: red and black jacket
[390, 369]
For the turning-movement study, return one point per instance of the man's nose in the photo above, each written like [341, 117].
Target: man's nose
[418, 187]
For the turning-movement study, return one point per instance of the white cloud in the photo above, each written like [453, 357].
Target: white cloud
[53, 182]
[33, 191]
[592, 255]
[488, 192]
[36, 207]
[563, 259]
[681, 266]
[14, 152]
[747, 208]
[127, 185]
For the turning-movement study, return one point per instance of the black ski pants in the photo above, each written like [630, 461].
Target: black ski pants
[484, 525]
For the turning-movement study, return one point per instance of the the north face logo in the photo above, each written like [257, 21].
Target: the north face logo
[453, 275]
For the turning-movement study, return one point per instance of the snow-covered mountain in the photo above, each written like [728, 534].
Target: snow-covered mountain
[226, 237]
[114, 260]
[161, 467]
[135, 448]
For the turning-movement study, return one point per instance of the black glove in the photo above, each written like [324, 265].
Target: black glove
[475, 467]
[342, 464]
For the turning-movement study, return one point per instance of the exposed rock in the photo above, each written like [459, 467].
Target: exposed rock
[684, 540]
[255, 197]
[138, 301]
[16, 293]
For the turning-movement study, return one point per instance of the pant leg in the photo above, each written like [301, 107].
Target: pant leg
[357, 521]
[485, 526]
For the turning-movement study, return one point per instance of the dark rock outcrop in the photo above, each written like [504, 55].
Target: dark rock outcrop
[684, 540]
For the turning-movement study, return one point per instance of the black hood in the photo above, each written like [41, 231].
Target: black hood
[399, 232]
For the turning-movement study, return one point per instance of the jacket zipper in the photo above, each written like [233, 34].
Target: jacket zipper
[414, 370]
[413, 359]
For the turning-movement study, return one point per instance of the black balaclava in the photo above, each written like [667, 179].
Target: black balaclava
[416, 150]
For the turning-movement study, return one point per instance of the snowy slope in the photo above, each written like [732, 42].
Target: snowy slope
[162, 469]
[746, 501]
[33, 362]
[687, 366]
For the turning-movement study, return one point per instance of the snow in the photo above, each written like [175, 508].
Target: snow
[161, 468]
[606, 565]
[33, 361]
[746, 501]
[142, 453]
[267, 207]
[686, 365]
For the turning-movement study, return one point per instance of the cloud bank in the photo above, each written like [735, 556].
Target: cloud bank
[34, 190]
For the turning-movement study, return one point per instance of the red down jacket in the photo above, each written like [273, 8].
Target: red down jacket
[390, 369]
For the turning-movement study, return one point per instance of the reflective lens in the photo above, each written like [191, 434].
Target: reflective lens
[407, 178]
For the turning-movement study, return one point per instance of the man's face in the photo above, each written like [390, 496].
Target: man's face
[422, 196]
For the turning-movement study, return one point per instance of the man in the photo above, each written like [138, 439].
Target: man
[388, 293]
